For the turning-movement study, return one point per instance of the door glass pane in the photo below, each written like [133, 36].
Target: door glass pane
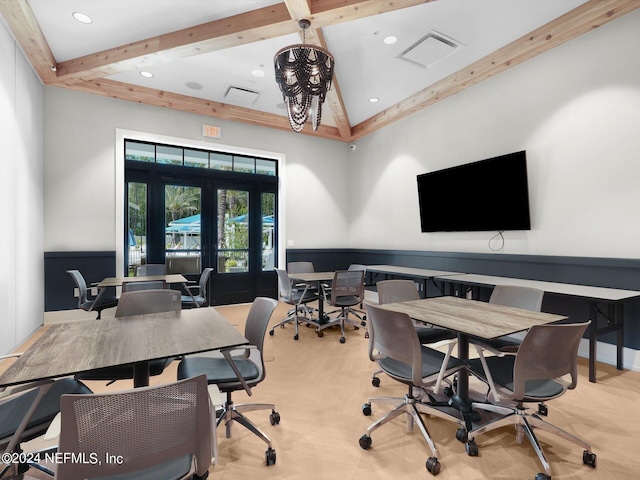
[196, 158]
[183, 248]
[243, 164]
[170, 155]
[268, 219]
[137, 215]
[233, 231]
[221, 161]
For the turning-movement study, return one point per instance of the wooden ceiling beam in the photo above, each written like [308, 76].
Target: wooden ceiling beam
[25, 28]
[583, 19]
[184, 103]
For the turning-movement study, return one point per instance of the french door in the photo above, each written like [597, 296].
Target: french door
[189, 222]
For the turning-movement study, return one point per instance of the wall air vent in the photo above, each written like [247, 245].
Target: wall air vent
[240, 96]
[430, 49]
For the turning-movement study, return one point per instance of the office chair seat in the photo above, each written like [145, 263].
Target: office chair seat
[219, 371]
[173, 468]
[13, 411]
[432, 361]
[428, 335]
[502, 372]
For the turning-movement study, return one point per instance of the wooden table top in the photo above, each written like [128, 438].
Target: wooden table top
[312, 276]
[575, 290]
[409, 271]
[70, 348]
[118, 281]
[472, 317]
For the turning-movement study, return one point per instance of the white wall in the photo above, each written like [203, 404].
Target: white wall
[80, 170]
[575, 109]
[21, 255]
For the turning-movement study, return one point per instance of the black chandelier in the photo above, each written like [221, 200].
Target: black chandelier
[304, 73]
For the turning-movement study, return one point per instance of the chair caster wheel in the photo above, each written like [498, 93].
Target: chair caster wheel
[295, 337]
[321, 334]
[589, 458]
[366, 334]
[365, 442]
[271, 332]
[433, 465]
[342, 339]
[366, 409]
[270, 455]
[363, 324]
[461, 435]
[448, 391]
[542, 476]
[375, 381]
[274, 418]
[472, 448]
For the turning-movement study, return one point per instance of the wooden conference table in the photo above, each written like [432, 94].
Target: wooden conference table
[613, 298]
[317, 278]
[471, 317]
[67, 349]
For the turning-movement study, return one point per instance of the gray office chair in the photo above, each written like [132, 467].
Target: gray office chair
[197, 293]
[511, 296]
[299, 297]
[394, 345]
[392, 291]
[98, 304]
[250, 364]
[153, 285]
[347, 290]
[159, 432]
[151, 269]
[26, 411]
[547, 353]
[300, 267]
[138, 302]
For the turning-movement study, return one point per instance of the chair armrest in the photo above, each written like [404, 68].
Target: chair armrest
[192, 289]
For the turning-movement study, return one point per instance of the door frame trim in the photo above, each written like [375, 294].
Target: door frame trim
[123, 134]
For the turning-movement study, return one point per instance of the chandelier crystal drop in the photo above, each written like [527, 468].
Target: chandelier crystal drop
[304, 73]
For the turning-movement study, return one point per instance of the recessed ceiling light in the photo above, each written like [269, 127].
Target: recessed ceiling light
[257, 73]
[146, 74]
[390, 40]
[374, 100]
[194, 85]
[82, 18]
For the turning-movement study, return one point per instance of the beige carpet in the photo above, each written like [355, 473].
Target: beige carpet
[319, 385]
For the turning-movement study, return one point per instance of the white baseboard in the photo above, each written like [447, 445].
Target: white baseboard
[606, 353]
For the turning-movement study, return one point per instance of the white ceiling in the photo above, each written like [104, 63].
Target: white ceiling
[365, 66]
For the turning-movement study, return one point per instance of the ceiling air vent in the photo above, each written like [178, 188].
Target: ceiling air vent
[240, 96]
[430, 49]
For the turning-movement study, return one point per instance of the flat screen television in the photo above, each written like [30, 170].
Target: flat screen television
[488, 195]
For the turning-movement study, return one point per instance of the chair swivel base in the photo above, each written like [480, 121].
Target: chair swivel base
[234, 413]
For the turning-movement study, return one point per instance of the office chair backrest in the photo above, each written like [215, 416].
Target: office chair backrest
[142, 427]
[141, 302]
[300, 267]
[81, 284]
[154, 285]
[390, 291]
[520, 297]
[394, 336]
[284, 283]
[347, 283]
[150, 269]
[255, 329]
[204, 281]
[547, 352]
